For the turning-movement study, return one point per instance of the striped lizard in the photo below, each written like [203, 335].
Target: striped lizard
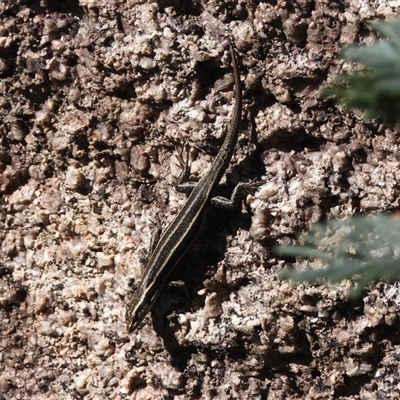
[182, 232]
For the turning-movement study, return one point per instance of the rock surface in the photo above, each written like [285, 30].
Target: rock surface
[95, 95]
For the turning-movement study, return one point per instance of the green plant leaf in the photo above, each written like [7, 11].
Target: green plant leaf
[361, 248]
[375, 87]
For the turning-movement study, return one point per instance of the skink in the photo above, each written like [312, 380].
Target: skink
[182, 232]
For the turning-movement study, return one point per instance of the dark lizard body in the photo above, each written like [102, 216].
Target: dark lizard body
[182, 232]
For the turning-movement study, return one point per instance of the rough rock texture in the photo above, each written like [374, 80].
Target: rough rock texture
[95, 95]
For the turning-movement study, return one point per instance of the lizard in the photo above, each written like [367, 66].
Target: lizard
[182, 232]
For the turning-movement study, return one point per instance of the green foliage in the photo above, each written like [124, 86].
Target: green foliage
[376, 87]
[360, 248]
